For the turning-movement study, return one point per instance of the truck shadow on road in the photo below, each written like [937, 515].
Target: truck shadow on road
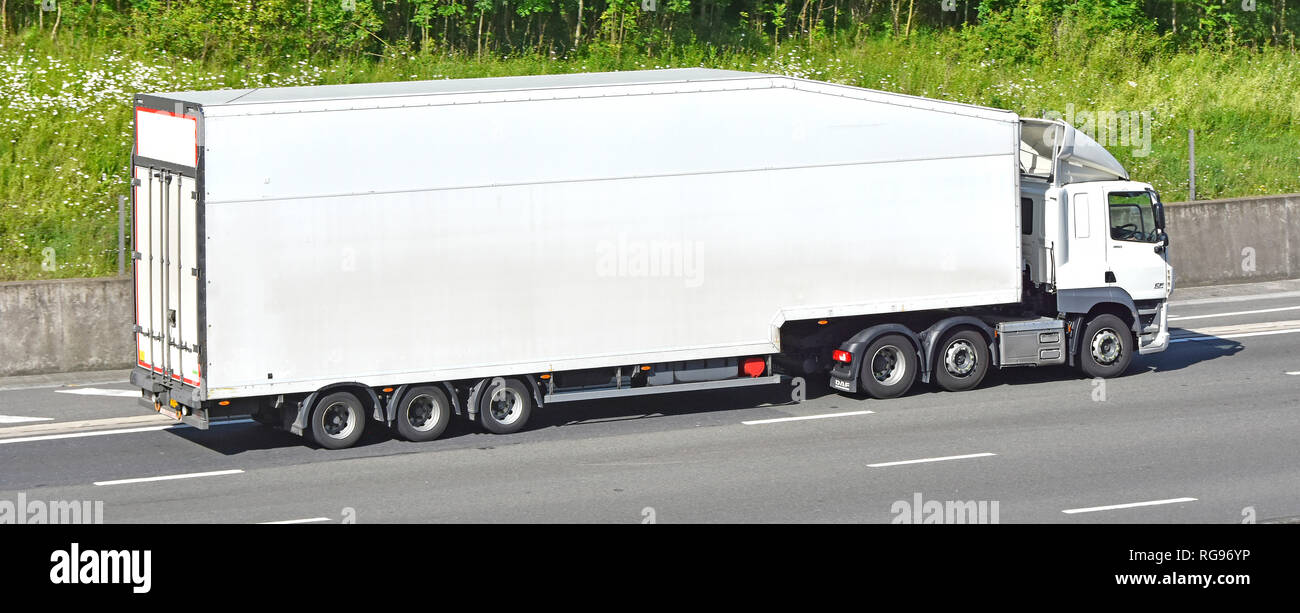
[569, 419]
[1182, 354]
[710, 406]
[1177, 357]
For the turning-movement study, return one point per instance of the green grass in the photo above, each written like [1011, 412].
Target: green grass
[65, 116]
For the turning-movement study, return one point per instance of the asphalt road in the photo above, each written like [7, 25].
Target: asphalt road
[1204, 432]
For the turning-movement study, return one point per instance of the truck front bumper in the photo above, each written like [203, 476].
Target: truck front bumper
[1158, 339]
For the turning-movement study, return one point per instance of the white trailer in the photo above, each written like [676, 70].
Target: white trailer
[484, 247]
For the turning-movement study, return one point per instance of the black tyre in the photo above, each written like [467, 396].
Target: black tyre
[961, 360]
[1107, 348]
[423, 413]
[338, 420]
[504, 408]
[889, 367]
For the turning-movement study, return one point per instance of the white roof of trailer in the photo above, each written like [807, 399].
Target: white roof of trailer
[271, 100]
[311, 93]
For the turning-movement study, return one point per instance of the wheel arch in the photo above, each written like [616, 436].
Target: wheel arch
[858, 343]
[930, 339]
[369, 399]
[476, 392]
[392, 406]
[1081, 305]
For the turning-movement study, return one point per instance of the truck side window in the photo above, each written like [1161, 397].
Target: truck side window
[1026, 216]
[1132, 217]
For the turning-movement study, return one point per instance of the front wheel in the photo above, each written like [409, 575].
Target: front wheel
[1107, 347]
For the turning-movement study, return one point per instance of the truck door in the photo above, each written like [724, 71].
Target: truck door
[166, 282]
[1080, 245]
[1135, 243]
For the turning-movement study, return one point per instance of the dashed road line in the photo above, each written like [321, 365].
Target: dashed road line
[213, 473]
[1128, 505]
[778, 420]
[97, 391]
[926, 460]
[309, 520]
[19, 419]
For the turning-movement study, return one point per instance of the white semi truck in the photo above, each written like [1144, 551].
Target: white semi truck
[404, 253]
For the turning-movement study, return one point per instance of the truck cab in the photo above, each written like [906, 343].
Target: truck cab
[1093, 239]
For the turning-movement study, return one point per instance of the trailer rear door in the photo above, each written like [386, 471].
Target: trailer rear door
[165, 239]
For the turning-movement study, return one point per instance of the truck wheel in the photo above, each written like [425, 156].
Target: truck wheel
[505, 408]
[1107, 347]
[338, 420]
[423, 413]
[889, 366]
[962, 360]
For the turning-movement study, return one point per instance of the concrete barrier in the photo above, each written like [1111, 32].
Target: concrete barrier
[85, 324]
[65, 325]
[1237, 240]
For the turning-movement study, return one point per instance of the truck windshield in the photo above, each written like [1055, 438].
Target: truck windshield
[1134, 217]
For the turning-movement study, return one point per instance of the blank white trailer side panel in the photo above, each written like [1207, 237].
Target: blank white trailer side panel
[432, 241]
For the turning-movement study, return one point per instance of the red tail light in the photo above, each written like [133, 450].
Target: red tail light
[753, 367]
[839, 355]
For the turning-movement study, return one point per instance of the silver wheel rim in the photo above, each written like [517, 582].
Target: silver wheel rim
[423, 413]
[339, 420]
[506, 406]
[1106, 347]
[888, 366]
[960, 359]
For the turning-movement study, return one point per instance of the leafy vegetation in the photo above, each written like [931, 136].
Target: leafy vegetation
[67, 75]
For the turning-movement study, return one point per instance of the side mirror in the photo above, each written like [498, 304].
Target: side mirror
[1162, 241]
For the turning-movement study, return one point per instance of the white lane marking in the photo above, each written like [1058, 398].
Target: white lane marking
[19, 419]
[803, 417]
[1246, 298]
[924, 460]
[213, 473]
[52, 437]
[1186, 317]
[1188, 339]
[95, 391]
[1294, 372]
[310, 520]
[1128, 505]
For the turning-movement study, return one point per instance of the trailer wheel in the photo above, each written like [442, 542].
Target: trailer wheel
[423, 413]
[962, 360]
[1107, 347]
[889, 366]
[505, 409]
[338, 420]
